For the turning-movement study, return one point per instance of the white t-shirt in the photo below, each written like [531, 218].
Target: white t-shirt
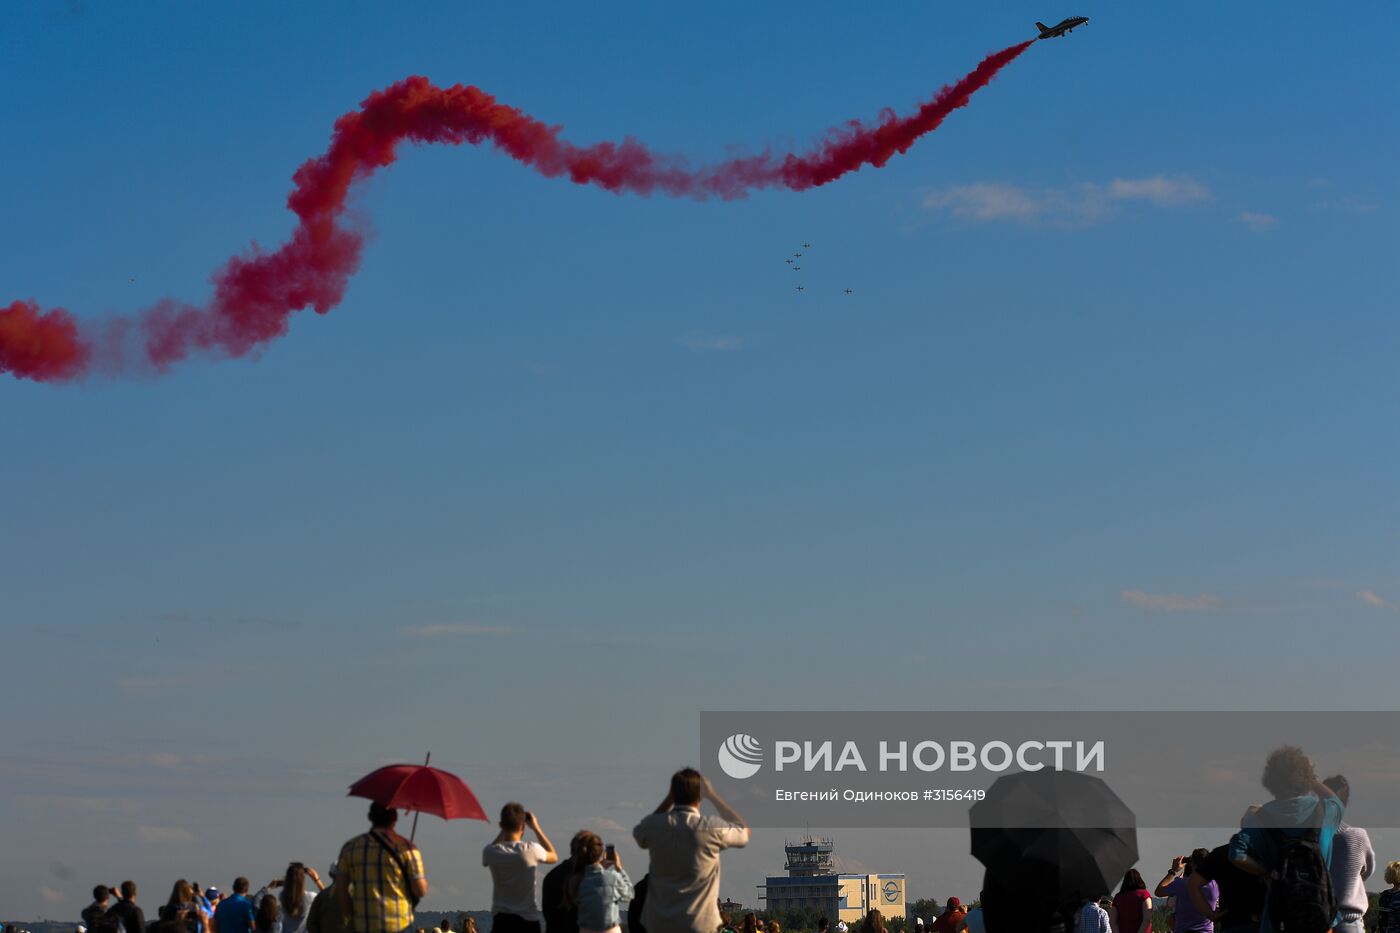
[512, 867]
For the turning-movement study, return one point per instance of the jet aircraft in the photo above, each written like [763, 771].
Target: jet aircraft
[1062, 28]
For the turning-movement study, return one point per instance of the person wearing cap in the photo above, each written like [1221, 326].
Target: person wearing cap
[380, 877]
[973, 922]
[953, 914]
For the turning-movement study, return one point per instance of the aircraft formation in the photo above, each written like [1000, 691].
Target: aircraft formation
[1061, 29]
[794, 263]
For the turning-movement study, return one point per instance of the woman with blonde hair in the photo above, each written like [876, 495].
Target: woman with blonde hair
[1388, 909]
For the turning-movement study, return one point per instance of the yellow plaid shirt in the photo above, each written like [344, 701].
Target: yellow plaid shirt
[378, 884]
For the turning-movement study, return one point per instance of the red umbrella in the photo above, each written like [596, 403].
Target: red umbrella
[421, 789]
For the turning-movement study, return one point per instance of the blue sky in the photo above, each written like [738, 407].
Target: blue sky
[1107, 422]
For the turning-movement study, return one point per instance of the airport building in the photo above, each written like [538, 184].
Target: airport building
[813, 881]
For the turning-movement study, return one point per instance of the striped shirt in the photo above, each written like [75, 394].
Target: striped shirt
[379, 901]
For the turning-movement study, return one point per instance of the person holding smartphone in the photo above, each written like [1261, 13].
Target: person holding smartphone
[598, 887]
[1187, 915]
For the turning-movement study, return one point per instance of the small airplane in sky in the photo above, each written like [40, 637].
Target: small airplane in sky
[848, 291]
[796, 268]
[788, 261]
[797, 255]
[801, 289]
[1063, 27]
[806, 245]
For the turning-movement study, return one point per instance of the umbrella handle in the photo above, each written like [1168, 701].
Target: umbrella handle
[414, 831]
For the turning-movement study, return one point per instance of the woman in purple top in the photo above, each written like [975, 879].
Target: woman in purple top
[1188, 918]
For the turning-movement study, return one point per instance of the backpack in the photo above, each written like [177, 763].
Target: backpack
[1301, 899]
[98, 920]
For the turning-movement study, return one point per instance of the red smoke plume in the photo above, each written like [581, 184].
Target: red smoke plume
[255, 294]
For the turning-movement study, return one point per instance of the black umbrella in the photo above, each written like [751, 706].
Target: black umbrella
[1048, 840]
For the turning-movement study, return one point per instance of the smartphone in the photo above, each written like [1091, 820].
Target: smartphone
[612, 853]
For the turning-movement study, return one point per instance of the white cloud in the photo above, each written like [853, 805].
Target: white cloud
[1171, 602]
[1218, 775]
[987, 201]
[456, 628]
[1073, 205]
[165, 835]
[165, 760]
[52, 896]
[700, 343]
[1375, 600]
[1257, 222]
[601, 824]
[1159, 190]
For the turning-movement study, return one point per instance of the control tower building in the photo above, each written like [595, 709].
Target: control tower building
[812, 881]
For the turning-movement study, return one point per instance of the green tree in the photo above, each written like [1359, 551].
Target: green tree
[926, 907]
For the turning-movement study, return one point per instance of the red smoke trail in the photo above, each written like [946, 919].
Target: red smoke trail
[255, 294]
